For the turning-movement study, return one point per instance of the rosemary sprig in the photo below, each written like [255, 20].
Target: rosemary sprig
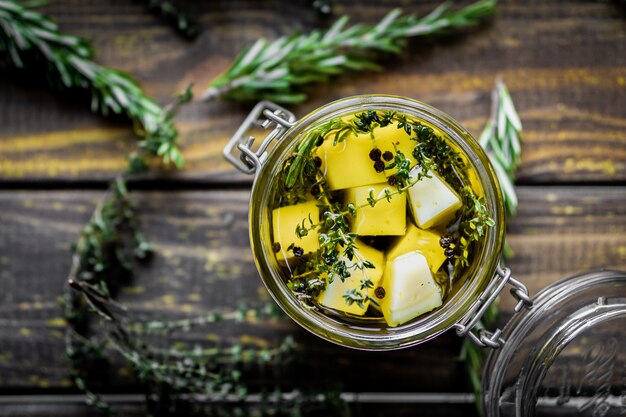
[279, 70]
[501, 139]
[30, 39]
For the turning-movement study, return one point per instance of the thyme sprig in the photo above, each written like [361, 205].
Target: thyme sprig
[104, 257]
[102, 252]
[501, 139]
[30, 39]
[279, 70]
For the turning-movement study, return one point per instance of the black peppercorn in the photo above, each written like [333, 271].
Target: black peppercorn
[319, 141]
[276, 247]
[298, 251]
[449, 252]
[444, 242]
[375, 154]
[388, 156]
[317, 161]
[392, 180]
[379, 293]
[379, 166]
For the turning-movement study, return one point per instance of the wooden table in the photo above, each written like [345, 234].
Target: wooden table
[565, 65]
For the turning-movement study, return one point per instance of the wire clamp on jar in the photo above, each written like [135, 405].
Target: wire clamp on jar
[265, 114]
[483, 337]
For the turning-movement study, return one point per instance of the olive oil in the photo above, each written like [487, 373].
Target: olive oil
[376, 215]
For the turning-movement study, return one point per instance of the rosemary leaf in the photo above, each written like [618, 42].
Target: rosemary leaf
[279, 70]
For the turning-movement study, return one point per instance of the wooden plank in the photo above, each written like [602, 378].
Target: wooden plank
[204, 262]
[564, 63]
[41, 409]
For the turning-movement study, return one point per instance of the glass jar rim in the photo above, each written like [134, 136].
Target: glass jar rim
[378, 337]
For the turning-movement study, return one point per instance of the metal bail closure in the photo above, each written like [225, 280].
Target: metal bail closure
[482, 337]
[264, 114]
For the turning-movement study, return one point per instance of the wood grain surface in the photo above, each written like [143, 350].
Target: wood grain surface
[563, 61]
[204, 261]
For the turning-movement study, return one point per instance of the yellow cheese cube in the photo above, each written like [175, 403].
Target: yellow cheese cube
[284, 222]
[332, 296]
[347, 164]
[425, 241]
[433, 202]
[385, 218]
[410, 290]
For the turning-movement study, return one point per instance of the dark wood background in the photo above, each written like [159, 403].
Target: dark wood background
[563, 61]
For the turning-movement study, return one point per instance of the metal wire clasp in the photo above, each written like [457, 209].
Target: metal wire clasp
[482, 337]
[264, 114]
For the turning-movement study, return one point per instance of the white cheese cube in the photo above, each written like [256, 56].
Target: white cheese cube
[410, 290]
[433, 202]
[332, 296]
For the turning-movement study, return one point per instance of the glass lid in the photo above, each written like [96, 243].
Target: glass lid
[565, 356]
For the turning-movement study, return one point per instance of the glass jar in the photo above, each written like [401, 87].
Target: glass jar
[566, 356]
[562, 353]
[470, 294]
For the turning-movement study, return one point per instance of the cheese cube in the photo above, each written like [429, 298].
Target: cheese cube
[410, 290]
[347, 164]
[332, 296]
[425, 241]
[284, 222]
[385, 218]
[433, 202]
